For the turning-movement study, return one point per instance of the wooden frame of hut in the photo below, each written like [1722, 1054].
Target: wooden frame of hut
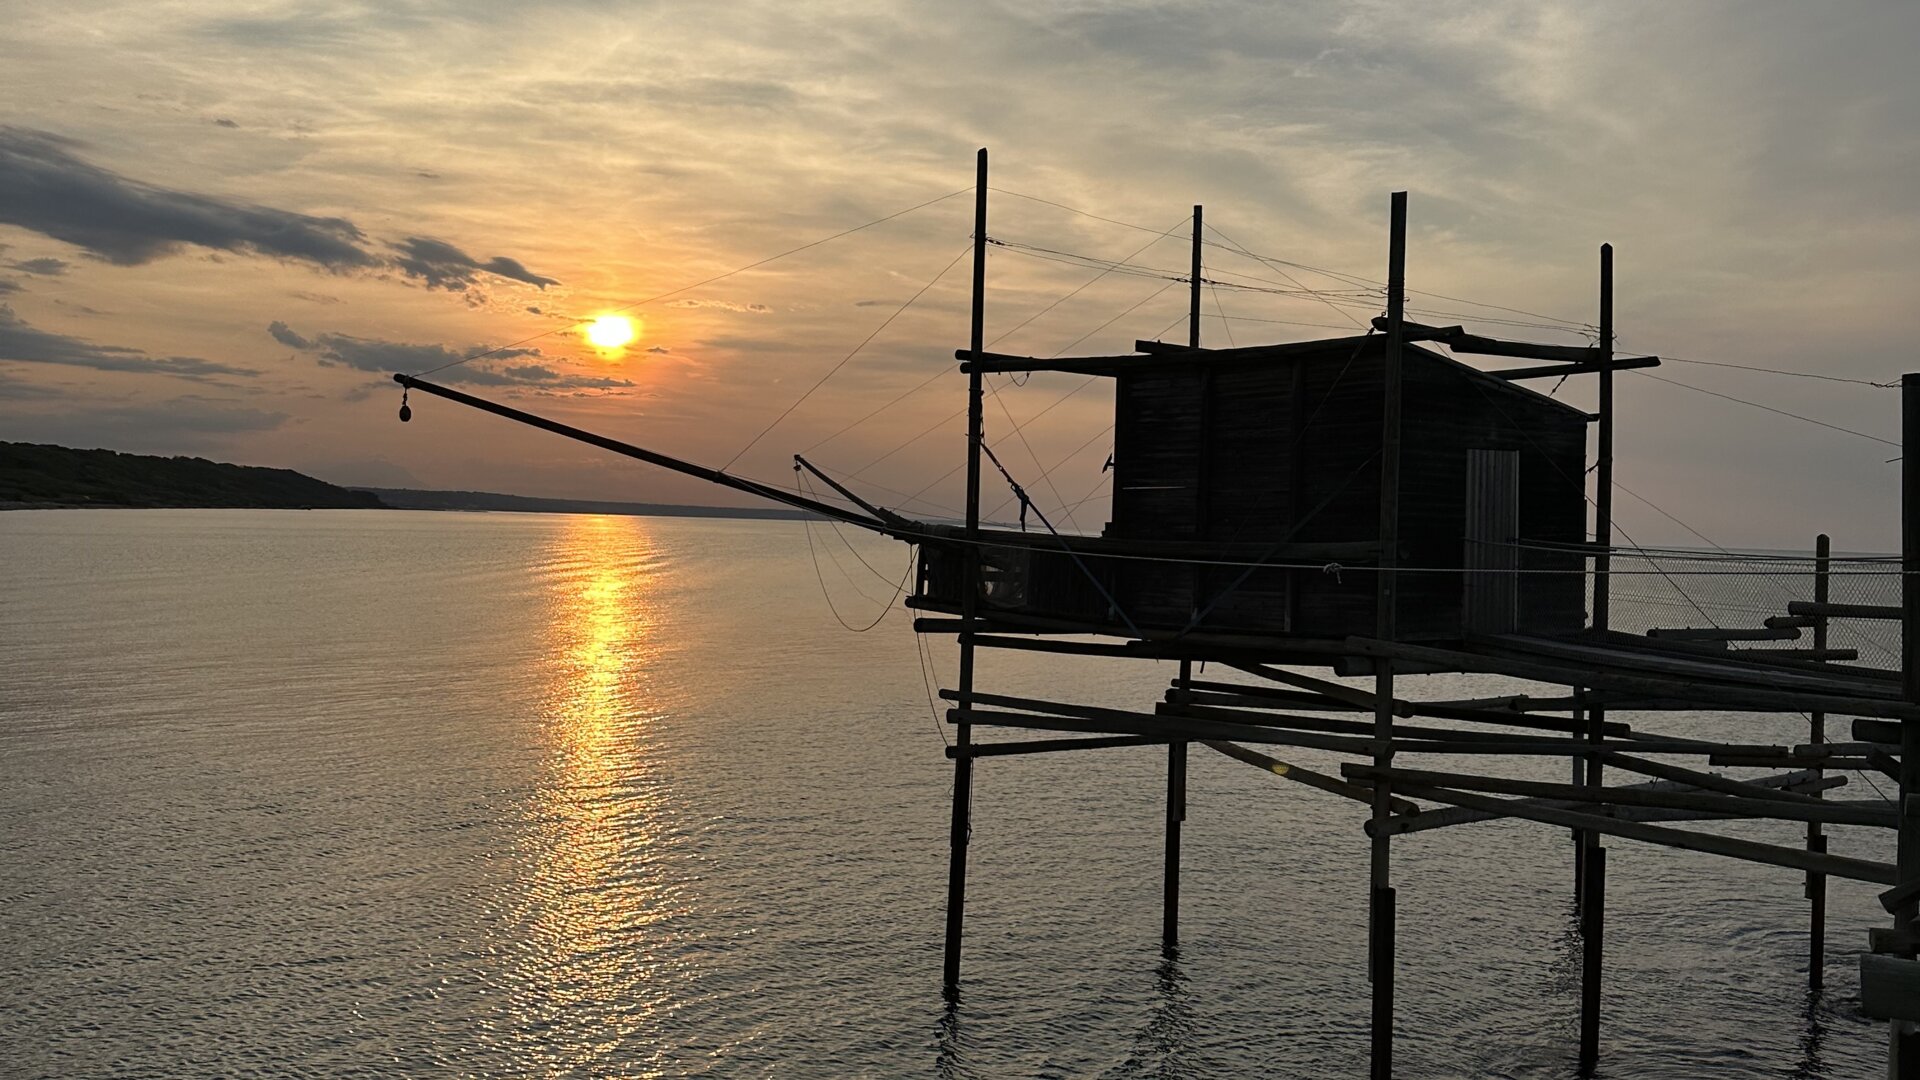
[1367, 505]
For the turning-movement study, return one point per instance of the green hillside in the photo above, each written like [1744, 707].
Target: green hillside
[38, 475]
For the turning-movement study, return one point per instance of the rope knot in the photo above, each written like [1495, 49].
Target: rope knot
[1332, 570]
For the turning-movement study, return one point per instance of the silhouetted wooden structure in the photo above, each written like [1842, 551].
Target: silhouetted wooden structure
[1369, 505]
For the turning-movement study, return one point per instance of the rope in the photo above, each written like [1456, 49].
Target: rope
[885, 610]
[1025, 504]
[1765, 408]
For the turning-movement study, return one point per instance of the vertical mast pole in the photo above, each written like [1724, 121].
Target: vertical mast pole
[1816, 837]
[1593, 877]
[962, 825]
[1381, 896]
[1177, 751]
[1903, 1043]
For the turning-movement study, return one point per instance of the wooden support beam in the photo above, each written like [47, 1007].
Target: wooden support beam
[1889, 987]
[1449, 816]
[1714, 633]
[1457, 339]
[1844, 611]
[1333, 785]
[1707, 843]
[1877, 731]
[1734, 806]
[1900, 895]
[1757, 699]
[1705, 780]
[1344, 727]
[1049, 746]
[1801, 621]
[1165, 727]
[1352, 695]
[1795, 659]
[1550, 371]
[1262, 697]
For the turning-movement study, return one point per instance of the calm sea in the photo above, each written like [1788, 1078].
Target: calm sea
[382, 793]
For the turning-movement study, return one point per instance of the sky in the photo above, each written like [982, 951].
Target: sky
[225, 225]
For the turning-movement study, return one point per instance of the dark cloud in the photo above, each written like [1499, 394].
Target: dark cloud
[443, 266]
[23, 344]
[9, 286]
[43, 267]
[285, 336]
[225, 123]
[385, 357]
[13, 388]
[661, 350]
[45, 188]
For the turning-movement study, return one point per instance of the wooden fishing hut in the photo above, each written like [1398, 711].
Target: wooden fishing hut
[1371, 506]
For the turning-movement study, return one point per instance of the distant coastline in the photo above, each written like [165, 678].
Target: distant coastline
[38, 476]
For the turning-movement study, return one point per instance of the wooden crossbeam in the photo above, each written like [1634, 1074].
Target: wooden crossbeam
[1824, 811]
[1331, 784]
[1747, 850]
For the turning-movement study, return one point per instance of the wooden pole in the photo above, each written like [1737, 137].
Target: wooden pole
[1816, 837]
[961, 829]
[1593, 924]
[1592, 870]
[1903, 1046]
[1381, 900]
[1193, 295]
[1177, 751]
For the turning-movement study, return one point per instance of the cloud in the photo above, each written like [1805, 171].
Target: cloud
[722, 305]
[225, 123]
[24, 344]
[443, 266]
[284, 334]
[45, 188]
[9, 286]
[372, 354]
[658, 350]
[43, 267]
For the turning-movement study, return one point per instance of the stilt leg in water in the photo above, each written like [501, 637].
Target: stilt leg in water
[1593, 920]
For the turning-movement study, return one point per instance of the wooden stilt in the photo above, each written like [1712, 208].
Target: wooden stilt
[1593, 863]
[1381, 896]
[1176, 813]
[1903, 1046]
[1177, 751]
[960, 833]
[1816, 839]
[1380, 931]
[1593, 924]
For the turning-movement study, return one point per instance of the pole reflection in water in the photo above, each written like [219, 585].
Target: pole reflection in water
[592, 980]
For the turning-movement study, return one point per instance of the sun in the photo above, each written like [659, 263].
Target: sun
[611, 331]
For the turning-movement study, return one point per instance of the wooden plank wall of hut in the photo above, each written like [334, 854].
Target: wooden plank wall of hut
[1447, 414]
[1156, 452]
[1248, 493]
[1338, 465]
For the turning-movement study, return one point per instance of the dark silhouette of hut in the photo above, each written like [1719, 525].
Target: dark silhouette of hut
[1246, 500]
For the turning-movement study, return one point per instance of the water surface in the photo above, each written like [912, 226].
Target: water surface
[383, 793]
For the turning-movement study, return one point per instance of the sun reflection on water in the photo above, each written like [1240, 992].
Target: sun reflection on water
[592, 905]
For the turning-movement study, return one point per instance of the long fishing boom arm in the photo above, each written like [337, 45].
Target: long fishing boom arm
[712, 476]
